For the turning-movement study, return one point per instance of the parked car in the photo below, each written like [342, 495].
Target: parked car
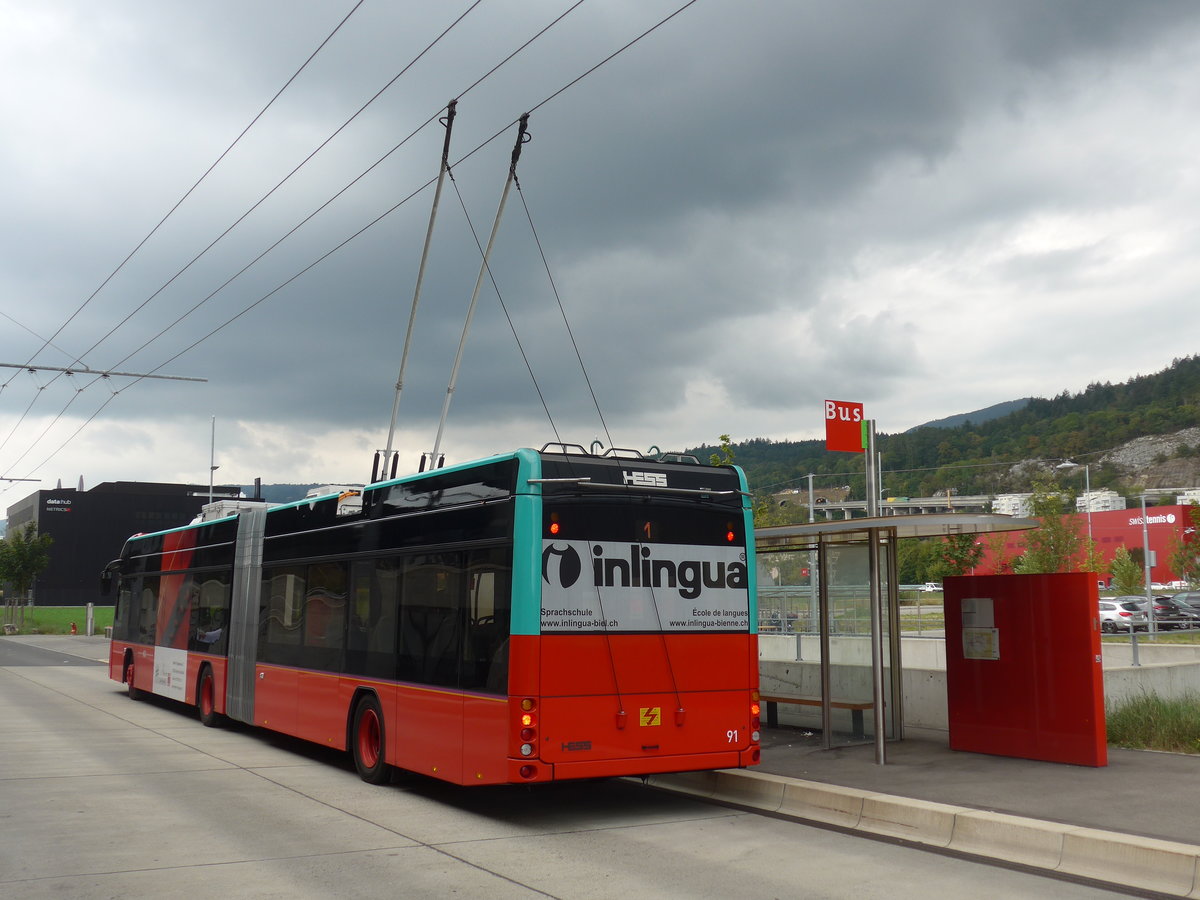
[931, 586]
[1168, 615]
[1122, 615]
[1188, 598]
[1172, 613]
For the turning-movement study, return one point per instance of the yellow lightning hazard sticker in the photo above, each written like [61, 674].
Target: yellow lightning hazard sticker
[651, 715]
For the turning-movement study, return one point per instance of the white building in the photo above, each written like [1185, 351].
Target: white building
[1192, 496]
[1011, 504]
[1099, 501]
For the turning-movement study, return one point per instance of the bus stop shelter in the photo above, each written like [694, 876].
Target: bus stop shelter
[830, 619]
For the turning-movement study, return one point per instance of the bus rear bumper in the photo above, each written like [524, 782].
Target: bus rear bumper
[533, 770]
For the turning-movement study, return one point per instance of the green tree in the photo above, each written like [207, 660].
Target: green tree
[1002, 560]
[918, 561]
[23, 554]
[960, 553]
[1127, 575]
[724, 454]
[1184, 558]
[1055, 543]
[1093, 559]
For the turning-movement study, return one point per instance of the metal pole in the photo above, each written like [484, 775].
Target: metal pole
[876, 594]
[814, 566]
[1087, 492]
[877, 681]
[212, 455]
[826, 672]
[1146, 567]
[895, 661]
[522, 131]
[412, 314]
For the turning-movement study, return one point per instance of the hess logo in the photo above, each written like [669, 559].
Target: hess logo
[645, 479]
[561, 565]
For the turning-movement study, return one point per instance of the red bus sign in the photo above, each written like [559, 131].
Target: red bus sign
[844, 426]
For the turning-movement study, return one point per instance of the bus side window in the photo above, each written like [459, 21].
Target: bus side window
[489, 608]
[325, 616]
[371, 629]
[431, 616]
[210, 615]
[147, 611]
[282, 615]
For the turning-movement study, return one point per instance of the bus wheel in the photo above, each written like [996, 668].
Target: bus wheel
[206, 699]
[367, 741]
[134, 693]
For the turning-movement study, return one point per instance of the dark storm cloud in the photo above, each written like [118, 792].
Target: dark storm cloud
[717, 203]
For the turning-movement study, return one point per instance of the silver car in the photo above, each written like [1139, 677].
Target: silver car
[1124, 615]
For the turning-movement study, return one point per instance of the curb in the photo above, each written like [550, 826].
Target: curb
[1122, 860]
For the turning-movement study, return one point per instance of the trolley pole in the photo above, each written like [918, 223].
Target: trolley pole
[522, 138]
[448, 122]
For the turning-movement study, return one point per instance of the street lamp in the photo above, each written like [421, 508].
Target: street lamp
[1087, 489]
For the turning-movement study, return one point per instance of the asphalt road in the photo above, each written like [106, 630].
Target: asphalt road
[101, 796]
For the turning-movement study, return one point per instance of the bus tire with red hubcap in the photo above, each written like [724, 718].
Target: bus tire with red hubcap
[206, 698]
[368, 741]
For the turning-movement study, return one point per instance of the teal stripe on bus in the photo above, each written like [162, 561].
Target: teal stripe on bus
[751, 564]
[527, 546]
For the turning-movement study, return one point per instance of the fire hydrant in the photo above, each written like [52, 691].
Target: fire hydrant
[74, 630]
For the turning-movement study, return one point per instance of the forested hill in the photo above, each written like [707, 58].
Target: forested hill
[922, 462]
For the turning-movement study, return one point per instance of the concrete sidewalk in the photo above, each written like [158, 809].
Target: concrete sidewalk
[1134, 823]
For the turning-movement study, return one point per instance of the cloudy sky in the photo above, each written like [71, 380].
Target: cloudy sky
[929, 207]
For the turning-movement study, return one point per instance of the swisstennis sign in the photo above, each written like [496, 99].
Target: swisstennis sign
[844, 426]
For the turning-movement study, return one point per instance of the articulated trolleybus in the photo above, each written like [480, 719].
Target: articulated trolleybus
[534, 616]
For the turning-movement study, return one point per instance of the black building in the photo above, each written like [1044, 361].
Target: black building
[90, 528]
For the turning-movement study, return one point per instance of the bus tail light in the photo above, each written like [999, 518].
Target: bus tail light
[527, 721]
[755, 722]
[528, 771]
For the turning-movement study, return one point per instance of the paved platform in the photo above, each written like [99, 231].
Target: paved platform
[1139, 792]
[1134, 824]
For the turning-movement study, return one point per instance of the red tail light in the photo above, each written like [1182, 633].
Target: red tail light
[527, 731]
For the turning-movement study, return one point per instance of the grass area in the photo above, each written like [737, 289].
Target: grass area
[1150, 722]
[57, 619]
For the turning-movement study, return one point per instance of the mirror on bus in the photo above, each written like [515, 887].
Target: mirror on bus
[106, 578]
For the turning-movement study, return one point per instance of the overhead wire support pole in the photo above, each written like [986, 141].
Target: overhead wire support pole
[412, 315]
[522, 138]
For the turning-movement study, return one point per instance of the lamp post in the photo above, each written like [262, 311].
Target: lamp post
[1087, 490]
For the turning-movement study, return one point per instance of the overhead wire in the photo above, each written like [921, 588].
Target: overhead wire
[49, 341]
[241, 218]
[499, 296]
[76, 359]
[304, 270]
[290, 175]
[327, 202]
[383, 215]
[558, 299]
